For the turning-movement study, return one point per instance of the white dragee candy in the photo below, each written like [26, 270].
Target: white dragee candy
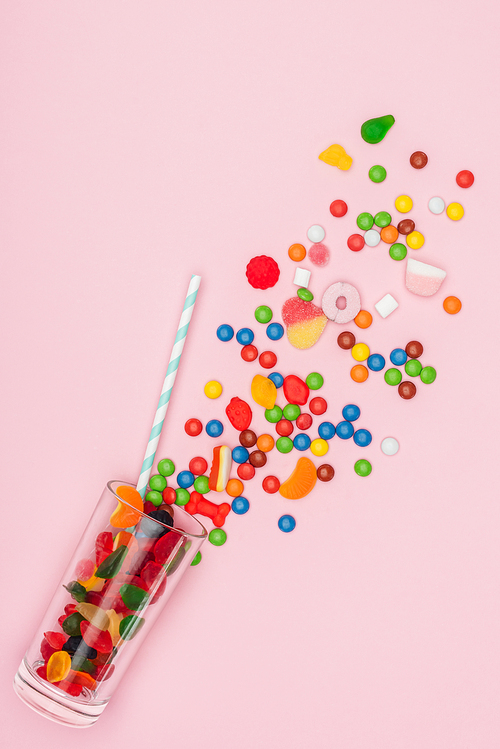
[302, 277]
[386, 305]
[436, 205]
[389, 446]
[372, 238]
[315, 233]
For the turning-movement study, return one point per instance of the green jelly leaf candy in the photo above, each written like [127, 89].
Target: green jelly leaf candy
[175, 563]
[76, 590]
[375, 130]
[112, 564]
[79, 663]
[133, 597]
[71, 625]
[130, 626]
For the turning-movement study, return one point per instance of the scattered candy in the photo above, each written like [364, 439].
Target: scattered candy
[389, 234]
[284, 427]
[375, 130]
[356, 242]
[436, 205]
[398, 357]
[407, 390]
[375, 362]
[360, 352]
[318, 406]
[197, 559]
[344, 430]
[302, 442]
[234, 487]
[452, 305]
[382, 219]
[315, 233]
[406, 226]
[465, 178]
[389, 446]
[393, 377]
[275, 331]
[225, 333]
[326, 430]
[386, 305]
[197, 466]
[331, 296]
[240, 505]
[249, 353]
[273, 415]
[363, 467]
[248, 438]
[263, 314]
[423, 279]
[221, 468]
[295, 390]
[414, 349]
[287, 523]
[359, 373]
[297, 252]
[325, 472]
[336, 155]
[277, 378]
[214, 428]
[351, 412]
[305, 295]
[319, 254]
[246, 471]
[418, 159]
[185, 479]
[304, 421]
[372, 238]
[258, 459]
[200, 485]
[245, 336]
[263, 391]
[428, 375]
[158, 483]
[304, 322]
[398, 251]
[314, 381]
[291, 411]
[182, 496]
[363, 319]
[362, 437]
[271, 484]
[415, 240]
[213, 389]
[455, 211]
[346, 340]
[301, 481]
[377, 173]
[262, 272]
[166, 466]
[193, 427]
[338, 208]
[217, 537]
[319, 447]
[364, 221]
[284, 444]
[268, 359]
[302, 277]
[403, 203]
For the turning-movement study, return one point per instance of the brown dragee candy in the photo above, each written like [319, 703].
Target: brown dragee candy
[325, 472]
[257, 458]
[346, 340]
[414, 349]
[248, 438]
[418, 159]
[406, 226]
[407, 390]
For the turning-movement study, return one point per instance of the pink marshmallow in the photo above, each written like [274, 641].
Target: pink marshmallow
[329, 302]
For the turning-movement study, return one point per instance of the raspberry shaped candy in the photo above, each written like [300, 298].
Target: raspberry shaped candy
[262, 272]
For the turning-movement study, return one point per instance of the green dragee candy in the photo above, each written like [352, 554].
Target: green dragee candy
[382, 219]
[112, 564]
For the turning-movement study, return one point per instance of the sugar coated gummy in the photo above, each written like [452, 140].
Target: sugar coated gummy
[262, 272]
[375, 130]
[423, 279]
[304, 322]
[331, 297]
[287, 523]
[225, 332]
[319, 254]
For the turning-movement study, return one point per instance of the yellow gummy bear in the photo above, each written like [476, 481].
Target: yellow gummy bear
[264, 391]
[336, 156]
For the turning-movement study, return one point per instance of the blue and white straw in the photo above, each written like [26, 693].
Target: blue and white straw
[168, 384]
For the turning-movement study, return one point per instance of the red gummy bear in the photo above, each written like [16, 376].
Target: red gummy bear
[262, 272]
[239, 414]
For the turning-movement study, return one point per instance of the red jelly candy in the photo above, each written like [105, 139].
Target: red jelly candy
[46, 650]
[55, 639]
[74, 690]
[61, 619]
[262, 272]
[193, 427]
[304, 421]
[245, 471]
[94, 598]
[318, 406]
[249, 353]
[239, 414]
[42, 672]
[104, 672]
[295, 390]
[139, 561]
[70, 608]
[149, 507]
[284, 428]
[356, 242]
[149, 574]
[165, 546]
[197, 466]
[84, 570]
[169, 495]
[96, 638]
[103, 547]
[268, 359]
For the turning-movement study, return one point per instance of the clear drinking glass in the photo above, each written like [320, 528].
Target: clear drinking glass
[113, 613]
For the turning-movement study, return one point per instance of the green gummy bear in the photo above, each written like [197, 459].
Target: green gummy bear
[373, 131]
[112, 564]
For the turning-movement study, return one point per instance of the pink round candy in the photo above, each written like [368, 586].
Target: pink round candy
[330, 298]
[319, 254]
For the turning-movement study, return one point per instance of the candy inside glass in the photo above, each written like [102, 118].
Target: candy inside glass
[116, 584]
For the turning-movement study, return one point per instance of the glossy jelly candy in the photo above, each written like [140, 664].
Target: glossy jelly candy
[295, 390]
[76, 590]
[96, 638]
[221, 468]
[127, 515]
[84, 570]
[263, 391]
[133, 597]
[301, 481]
[423, 279]
[304, 322]
[375, 130]
[262, 272]
[58, 666]
[103, 546]
[112, 564]
[71, 624]
[201, 506]
[130, 626]
[166, 546]
[124, 538]
[94, 615]
[336, 155]
[239, 414]
[333, 294]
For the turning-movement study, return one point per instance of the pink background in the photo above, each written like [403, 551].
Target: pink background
[145, 141]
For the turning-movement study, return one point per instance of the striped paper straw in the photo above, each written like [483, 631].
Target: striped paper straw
[168, 384]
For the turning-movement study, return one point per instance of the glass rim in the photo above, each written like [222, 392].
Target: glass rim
[143, 514]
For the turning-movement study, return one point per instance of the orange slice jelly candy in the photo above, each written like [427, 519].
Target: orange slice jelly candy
[125, 516]
[301, 482]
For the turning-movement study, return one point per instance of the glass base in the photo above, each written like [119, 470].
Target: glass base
[50, 703]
